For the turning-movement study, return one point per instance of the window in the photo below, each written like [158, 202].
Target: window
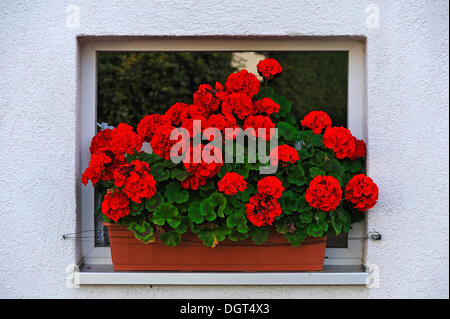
[97, 104]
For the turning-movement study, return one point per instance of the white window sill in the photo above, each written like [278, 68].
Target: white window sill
[330, 275]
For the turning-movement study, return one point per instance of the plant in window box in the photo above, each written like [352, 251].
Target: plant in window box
[218, 215]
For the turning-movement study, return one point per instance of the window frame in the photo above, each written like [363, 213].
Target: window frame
[356, 119]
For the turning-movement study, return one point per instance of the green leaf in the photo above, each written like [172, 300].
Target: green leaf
[259, 234]
[213, 206]
[226, 168]
[336, 223]
[208, 238]
[354, 166]
[174, 193]
[316, 140]
[171, 238]
[242, 169]
[194, 213]
[289, 202]
[336, 168]
[179, 174]
[211, 237]
[160, 172]
[303, 153]
[152, 203]
[315, 171]
[136, 208]
[296, 174]
[245, 195]
[306, 217]
[297, 238]
[167, 213]
[314, 230]
[207, 187]
[235, 235]
[143, 232]
[185, 224]
[344, 217]
[287, 131]
[239, 221]
[282, 225]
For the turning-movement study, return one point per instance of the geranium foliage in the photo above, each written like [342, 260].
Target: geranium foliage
[319, 185]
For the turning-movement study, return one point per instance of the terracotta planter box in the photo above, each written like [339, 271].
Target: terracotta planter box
[276, 254]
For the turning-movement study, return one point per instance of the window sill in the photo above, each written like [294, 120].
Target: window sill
[330, 275]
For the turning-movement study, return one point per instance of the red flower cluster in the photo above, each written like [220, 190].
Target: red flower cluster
[238, 103]
[101, 140]
[232, 183]
[316, 121]
[262, 209]
[284, 153]
[243, 82]
[362, 191]
[206, 98]
[125, 140]
[259, 121]
[108, 149]
[150, 124]
[343, 143]
[201, 172]
[266, 105]
[175, 115]
[115, 205]
[136, 180]
[269, 68]
[101, 166]
[161, 142]
[360, 149]
[271, 185]
[324, 192]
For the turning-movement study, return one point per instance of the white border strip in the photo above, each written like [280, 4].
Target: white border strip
[201, 278]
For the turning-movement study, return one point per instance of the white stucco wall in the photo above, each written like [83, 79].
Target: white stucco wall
[407, 126]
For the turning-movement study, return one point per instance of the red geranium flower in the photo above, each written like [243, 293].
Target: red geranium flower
[285, 153]
[259, 121]
[175, 115]
[262, 209]
[340, 140]
[271, 185]
[232, 183]
[161, 142]
[362, 191]
[266, 105]
[136, 180]
[316, 121]
[101, 166]
[150, 124]
[221, 122]
[269, 68]
[115, 205]
[360, 150]
[243, 82]
[324, 192]
[101, 140]
[206, 98]
[201, 171]
[238, 103]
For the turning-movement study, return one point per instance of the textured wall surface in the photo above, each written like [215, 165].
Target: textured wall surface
[407, 126]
